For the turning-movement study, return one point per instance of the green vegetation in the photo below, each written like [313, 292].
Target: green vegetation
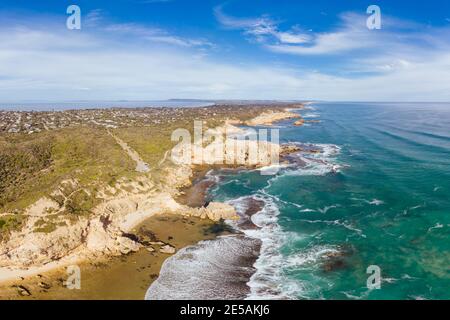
[20, 163]
[44, 226]
[9, 223]
[32, 166]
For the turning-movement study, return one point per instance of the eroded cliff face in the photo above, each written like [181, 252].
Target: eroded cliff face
[106, 231]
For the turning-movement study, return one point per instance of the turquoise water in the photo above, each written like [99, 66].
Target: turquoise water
[388, 205]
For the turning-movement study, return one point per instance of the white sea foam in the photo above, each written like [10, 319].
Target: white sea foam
[311, 115]
[376, 202]
[318, 164]
[270, 281]
[212, 268]
[327, 208]
[265, 282]
[437, 226]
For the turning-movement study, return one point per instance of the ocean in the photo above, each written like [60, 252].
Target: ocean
[377, 195]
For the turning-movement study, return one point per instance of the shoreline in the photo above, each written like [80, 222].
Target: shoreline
[213, 269]
[192, 196]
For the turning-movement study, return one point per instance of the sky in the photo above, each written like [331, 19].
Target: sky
[205, 49]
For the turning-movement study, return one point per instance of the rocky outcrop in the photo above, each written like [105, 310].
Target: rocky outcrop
[217, 211]
[28, 248]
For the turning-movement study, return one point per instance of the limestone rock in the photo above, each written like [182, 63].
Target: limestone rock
[287, 149]
[217, 211]
[167, 249]
[126, 245]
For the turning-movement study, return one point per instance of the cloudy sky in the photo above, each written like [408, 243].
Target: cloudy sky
[261, 49]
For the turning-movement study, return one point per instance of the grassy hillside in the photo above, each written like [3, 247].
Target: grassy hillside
[32, 166]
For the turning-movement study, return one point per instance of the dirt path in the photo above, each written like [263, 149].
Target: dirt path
[141, 166]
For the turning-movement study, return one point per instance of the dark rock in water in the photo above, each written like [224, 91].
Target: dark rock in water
[336, 260]
[252, 206]
[334, 264]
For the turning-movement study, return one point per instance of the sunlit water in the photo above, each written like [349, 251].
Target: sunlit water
[378, 195]
[388, 205]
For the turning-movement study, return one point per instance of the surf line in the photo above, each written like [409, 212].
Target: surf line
[193, 310]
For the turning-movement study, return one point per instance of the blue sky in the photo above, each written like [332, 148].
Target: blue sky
[261, 49]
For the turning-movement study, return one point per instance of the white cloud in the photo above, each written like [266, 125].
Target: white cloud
[52, 63]
[261, 28]
[351, 36]
[154, 35]
[93, 17]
